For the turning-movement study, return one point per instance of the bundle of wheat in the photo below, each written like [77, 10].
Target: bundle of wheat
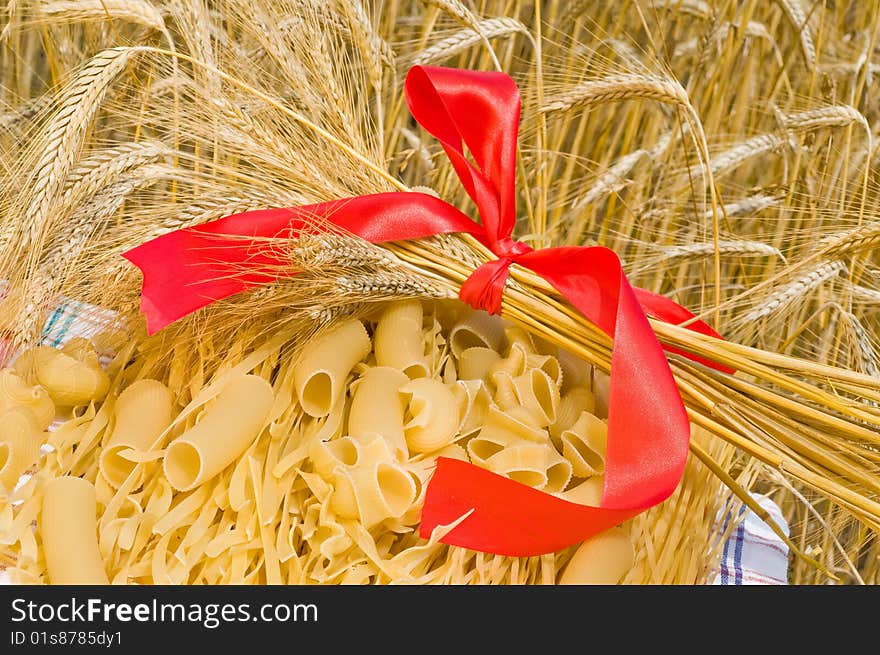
[143, 118]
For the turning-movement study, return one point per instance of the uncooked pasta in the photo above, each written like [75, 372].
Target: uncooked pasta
[303, 463]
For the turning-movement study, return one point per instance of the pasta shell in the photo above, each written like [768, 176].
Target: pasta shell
[538, 394]
[477, 329]
[20, 440]
[474, 363]
[571, 404]
[434, 413]
[373, 493]
[474, 401]
[68, 381]
[575, 371]
[584, 443]
[603, 559]
[16, 392]
[589, 492]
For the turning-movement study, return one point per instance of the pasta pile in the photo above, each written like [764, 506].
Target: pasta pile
[303, 469]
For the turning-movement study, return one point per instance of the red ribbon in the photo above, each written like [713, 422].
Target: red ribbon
[648, 429]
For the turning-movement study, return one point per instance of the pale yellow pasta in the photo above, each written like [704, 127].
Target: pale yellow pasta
[324, 364]
[20, 440]
[474, 363]
[142, 412]
[505, 391]
[513, 364]
[225, 430]
[67, 380]
[559, 473]
[397, 341]
[373, 491]
[511, 426]
[326, 456]
[603, 559]
[601, 389]
[524, 462]
[377, 407]
[571, 404]
[16, 392]
[515, 335]
[474, 401]
[68, 528]
[584, 443]
[476, 329]
[589, 492]
[433, 415]
[575, 371]
[538, 394]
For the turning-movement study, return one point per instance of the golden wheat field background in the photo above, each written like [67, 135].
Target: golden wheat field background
[725, 149]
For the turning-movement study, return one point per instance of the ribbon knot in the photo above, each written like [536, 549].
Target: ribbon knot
[648, 429]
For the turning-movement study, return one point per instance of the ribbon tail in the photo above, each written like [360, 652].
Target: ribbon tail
[670, 311]
[188, 269]
[648, 430]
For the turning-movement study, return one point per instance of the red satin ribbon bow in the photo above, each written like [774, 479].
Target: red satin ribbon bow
[648, 430]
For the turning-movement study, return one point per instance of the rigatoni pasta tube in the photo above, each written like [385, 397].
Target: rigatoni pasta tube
[603, 559]
[398, 338]
[434, 413]
[377, 407]
[20, 440]
[68, 526]
[143, 412]
[324, 364]
[222, 435]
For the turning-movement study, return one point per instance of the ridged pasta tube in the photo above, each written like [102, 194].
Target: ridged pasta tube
[434, 413]
[398, 339]
[20, 440]
[68, 381]
[603, 559]
[377, 407]
[224, 432]
[324, 364]
[326, 456]
[68, 526]
[16, 392]
[142, 413]
[477, 329]
[589, 492]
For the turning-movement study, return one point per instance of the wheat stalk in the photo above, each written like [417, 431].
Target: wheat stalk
[797, 288]
[795, 12]
[139, 12]
[615, 88]
[466, 17]
[64, 134]
[488, 28]
[696, 8]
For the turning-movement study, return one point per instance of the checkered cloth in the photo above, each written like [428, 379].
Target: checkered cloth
[753, 554]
